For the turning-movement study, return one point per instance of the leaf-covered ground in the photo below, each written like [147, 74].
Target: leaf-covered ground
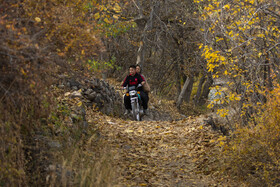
[160, 153]
[153, 152]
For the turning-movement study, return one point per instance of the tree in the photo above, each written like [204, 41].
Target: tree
[40, 42]
[164, 42]
[242, 48]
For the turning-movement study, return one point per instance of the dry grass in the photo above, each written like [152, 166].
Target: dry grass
[251, 154]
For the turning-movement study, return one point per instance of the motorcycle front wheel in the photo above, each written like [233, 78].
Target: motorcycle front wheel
[135, 111]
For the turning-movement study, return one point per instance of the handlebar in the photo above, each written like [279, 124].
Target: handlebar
[127, 88]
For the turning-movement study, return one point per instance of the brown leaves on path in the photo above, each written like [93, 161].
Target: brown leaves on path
[158, 153]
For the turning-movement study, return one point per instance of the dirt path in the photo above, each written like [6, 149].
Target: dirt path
[153, 153]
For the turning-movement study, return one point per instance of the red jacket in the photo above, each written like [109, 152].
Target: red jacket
[133, 80]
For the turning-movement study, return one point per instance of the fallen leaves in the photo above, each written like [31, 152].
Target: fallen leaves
[153, 153]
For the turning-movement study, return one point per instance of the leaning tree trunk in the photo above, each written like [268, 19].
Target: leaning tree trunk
[206, 90]
[140, 54]
[181, 96]
[199, 89]
[188, 92]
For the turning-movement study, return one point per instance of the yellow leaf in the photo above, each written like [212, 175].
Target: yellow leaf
[80, 103]
[117, 8]
[97, 15]
[23, 72]
[143, 184]
[116, 16]
[38, 19]
[61, 54]
[128, 131]
[107, 21]
[140, 131]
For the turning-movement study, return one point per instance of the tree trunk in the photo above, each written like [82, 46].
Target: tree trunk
[188, 92]
[139, 7]
[140, 54]
[178, 78]
[206, 90]
[199, 89]
[181, 96]
[148, 26]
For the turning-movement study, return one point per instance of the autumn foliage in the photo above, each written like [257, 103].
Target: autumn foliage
[235, 41]
[40, 41]
[252, 154]
[242, 50]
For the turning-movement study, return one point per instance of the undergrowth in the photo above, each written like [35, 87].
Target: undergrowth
[30, 118]
[85, 159]
[252, 153]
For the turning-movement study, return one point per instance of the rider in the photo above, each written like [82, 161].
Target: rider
[138, 70]
[133, 79]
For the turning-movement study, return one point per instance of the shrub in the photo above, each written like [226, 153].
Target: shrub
[253, 152]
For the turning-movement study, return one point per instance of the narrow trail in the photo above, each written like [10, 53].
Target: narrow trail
[158, 153]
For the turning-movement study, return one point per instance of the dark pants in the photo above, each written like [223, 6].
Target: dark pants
[144, 99]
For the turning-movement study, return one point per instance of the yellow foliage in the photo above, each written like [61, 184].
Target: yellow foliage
[234, 48]
[254, 152]
[70, 25]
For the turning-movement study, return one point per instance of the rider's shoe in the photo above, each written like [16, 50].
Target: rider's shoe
[127, 112]
[146, 112]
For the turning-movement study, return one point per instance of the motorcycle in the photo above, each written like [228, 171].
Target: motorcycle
[135, 101]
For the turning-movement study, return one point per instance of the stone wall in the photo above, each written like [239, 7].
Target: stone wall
[96, 93]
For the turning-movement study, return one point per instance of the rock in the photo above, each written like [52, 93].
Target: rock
[127, 147]
[54, 144]
[75, 88]
[75, 116]
[88, 103]
[95, 83]
[98, 98]
[61, 86]
[224, 130]
[91, 96]
[88, 91]
[210, 121]
[76, 94]
[67, 94]
[74, 83]
[51, 168]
